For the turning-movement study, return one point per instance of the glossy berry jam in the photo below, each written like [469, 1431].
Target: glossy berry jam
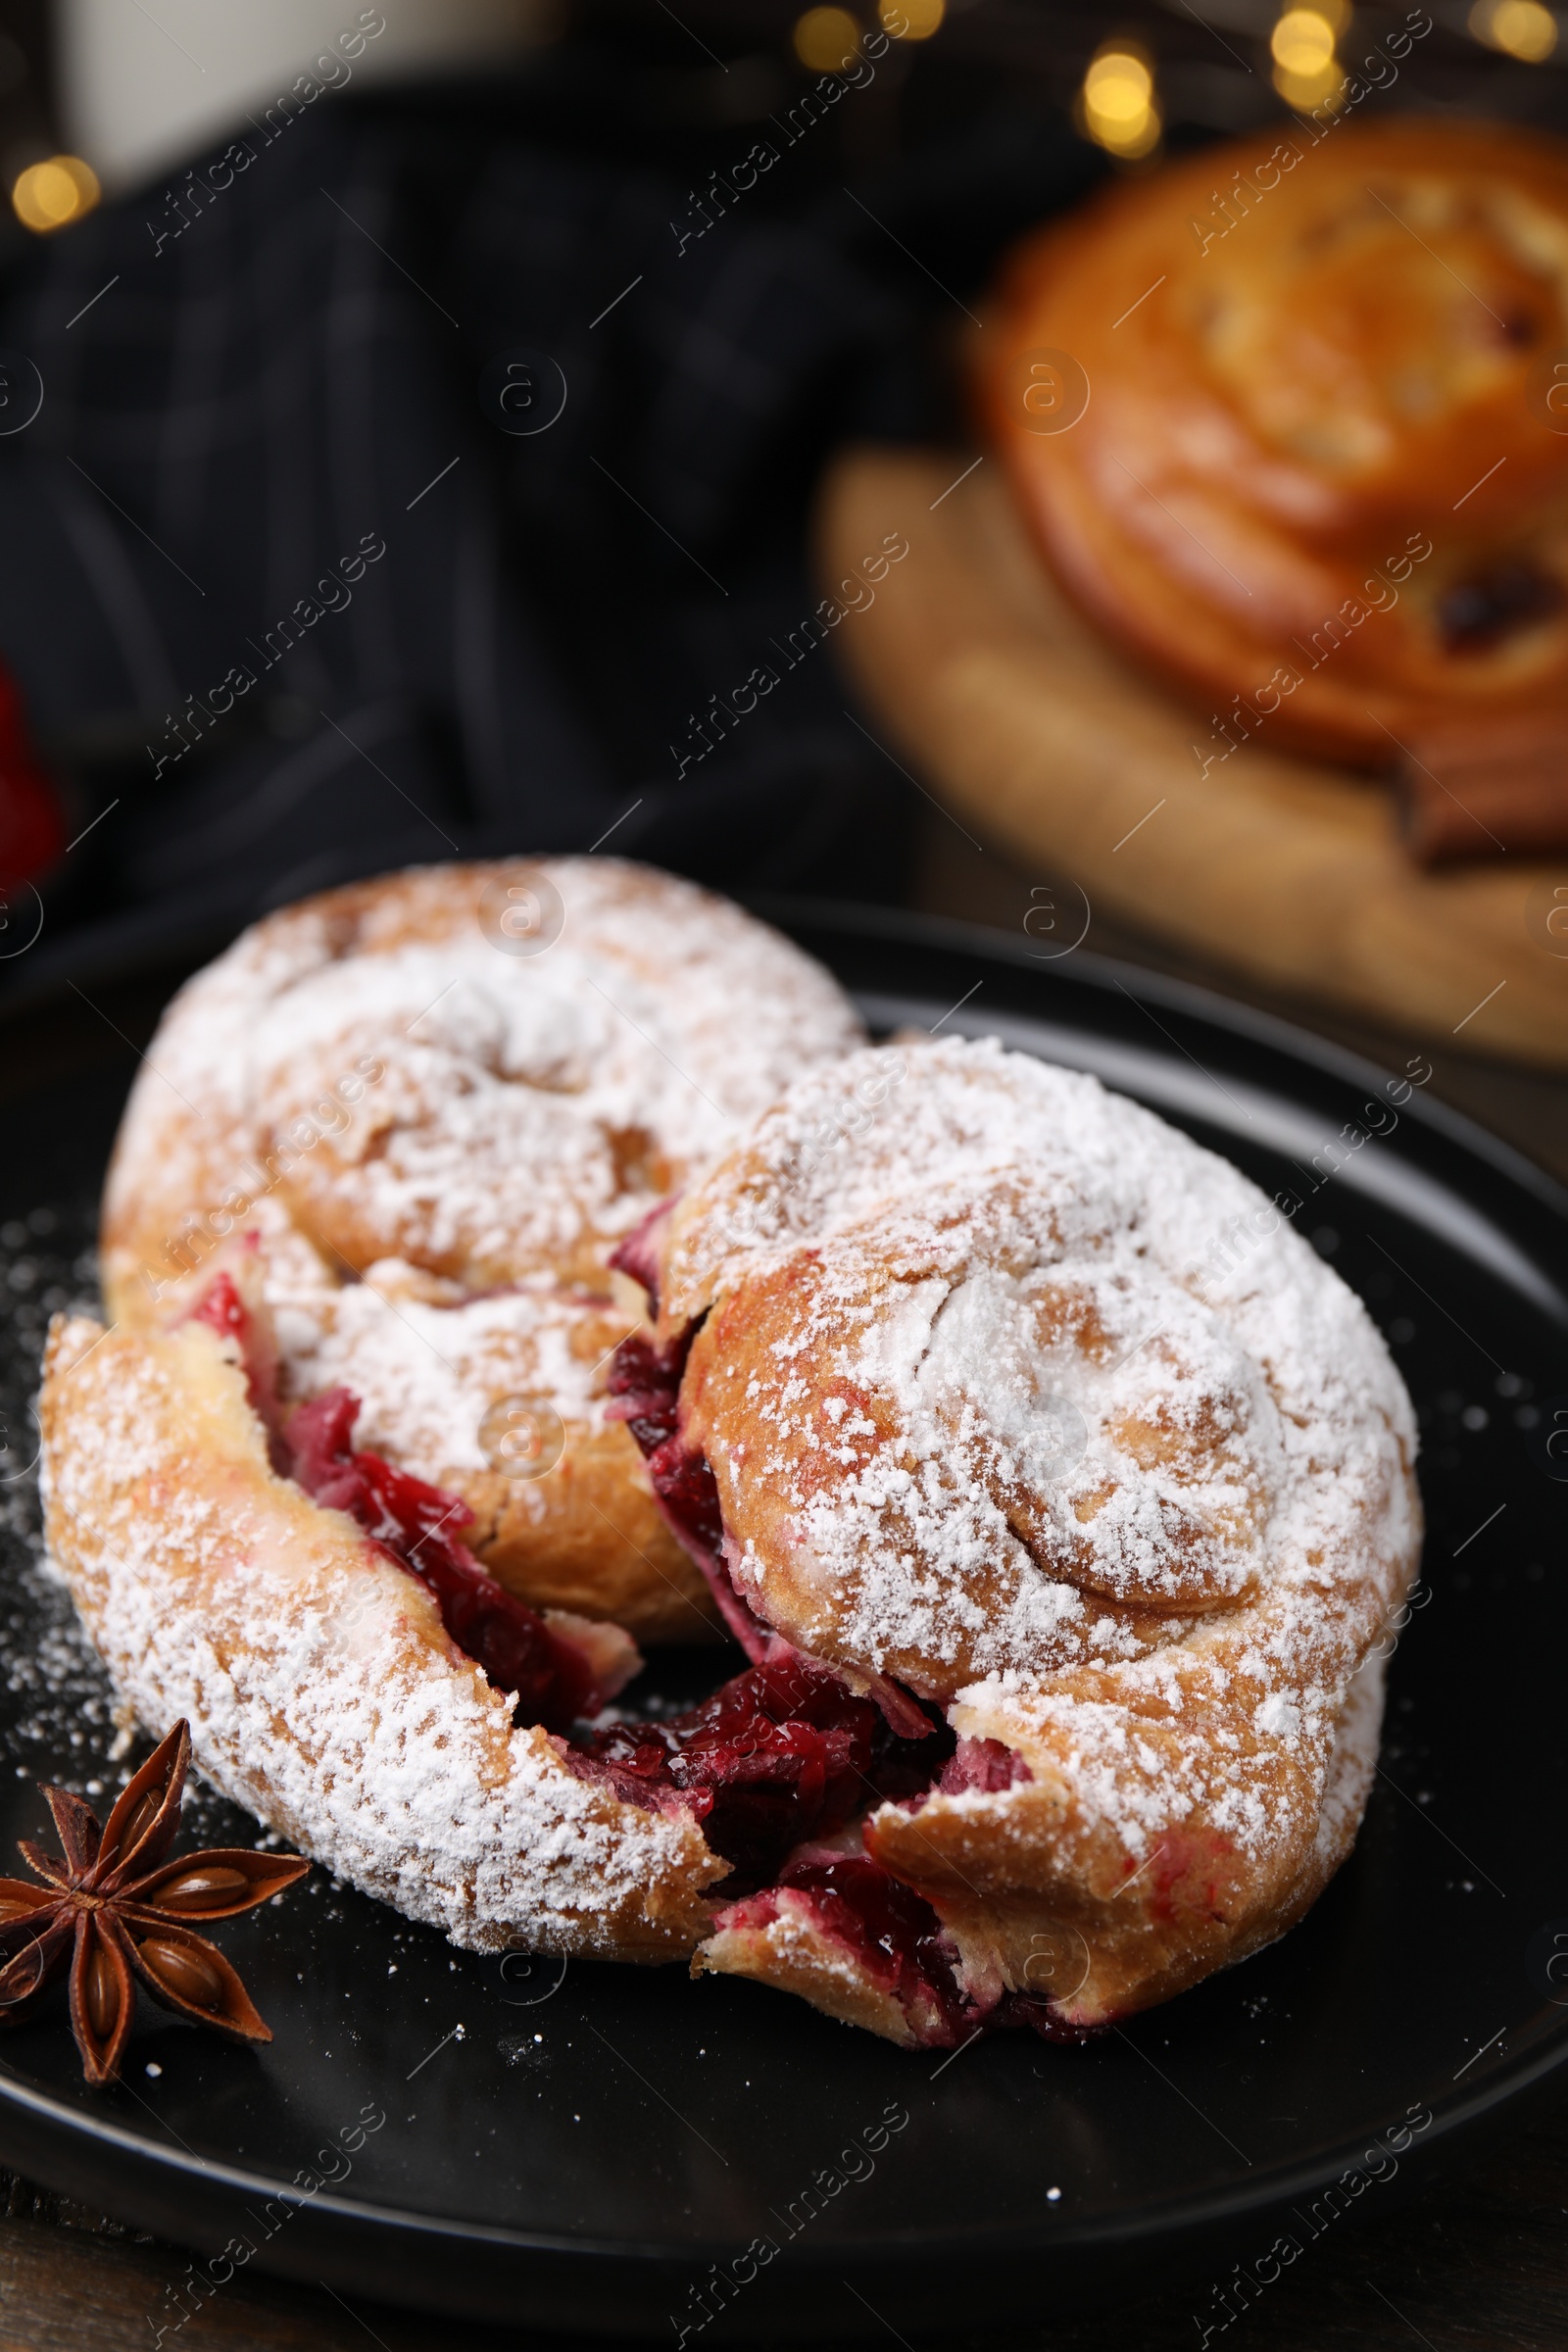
[418, 1526]
[893, 1932]
[898, 1941]
[415, 1524]
[781, 1754]
[644, 1383]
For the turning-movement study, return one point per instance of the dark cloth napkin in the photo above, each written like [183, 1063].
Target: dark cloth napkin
[289, 596]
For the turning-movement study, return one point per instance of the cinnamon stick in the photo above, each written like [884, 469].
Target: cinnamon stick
[1484, 791]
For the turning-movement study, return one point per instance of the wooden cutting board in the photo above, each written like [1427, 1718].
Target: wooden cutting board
[1035, 732]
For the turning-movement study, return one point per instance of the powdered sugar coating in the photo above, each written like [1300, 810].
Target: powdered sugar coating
[428, 1373]
[984, 1417]
[322, 1691]
[503, 1113]
[432, 1144]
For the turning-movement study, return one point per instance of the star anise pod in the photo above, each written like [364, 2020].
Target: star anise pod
[113, 1909]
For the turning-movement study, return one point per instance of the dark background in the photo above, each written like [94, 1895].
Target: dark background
[240, 407]
[235, 414]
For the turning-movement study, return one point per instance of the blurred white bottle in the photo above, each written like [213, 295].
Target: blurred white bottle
[145, 88]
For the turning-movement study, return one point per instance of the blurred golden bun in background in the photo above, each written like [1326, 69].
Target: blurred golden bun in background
[1284, 419]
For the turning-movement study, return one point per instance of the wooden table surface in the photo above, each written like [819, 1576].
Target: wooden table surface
[1475, 2261]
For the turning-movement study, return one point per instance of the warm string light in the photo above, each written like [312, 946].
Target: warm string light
[1520, 29]
[911, 20]
[827, 39]
[50, 195]
[1116, 105]
[1307, 69]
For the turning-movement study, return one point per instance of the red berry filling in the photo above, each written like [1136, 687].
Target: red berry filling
[222, 1308]
[893, 1932]
[415, 1524]
[983, 1764]
[782, 1754]
[898, 1939]
[785, 1753]
[638, 1255]
[418, 1526]
[644, 1385]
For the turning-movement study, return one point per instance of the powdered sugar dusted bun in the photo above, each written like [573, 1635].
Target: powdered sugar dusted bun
[320, 1688]
[987, 1425]
[430, 1105]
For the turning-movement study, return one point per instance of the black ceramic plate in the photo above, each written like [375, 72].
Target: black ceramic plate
[597, 2148]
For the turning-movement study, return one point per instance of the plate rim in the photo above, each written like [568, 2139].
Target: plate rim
[1184, 2218]
[1185, 2214]
[1192, 999]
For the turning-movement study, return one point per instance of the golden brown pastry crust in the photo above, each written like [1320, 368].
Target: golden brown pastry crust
[433, 1143]
[1317, 470]
[321, 1690]
[1016, 1888]
[1154, 1642]
[1027, 1403]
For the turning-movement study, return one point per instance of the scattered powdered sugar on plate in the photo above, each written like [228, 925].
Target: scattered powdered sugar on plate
[61, 1722]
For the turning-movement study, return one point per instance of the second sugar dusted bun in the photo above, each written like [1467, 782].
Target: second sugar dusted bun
[409, 1120]
[1321, 479]
[1032, 1418]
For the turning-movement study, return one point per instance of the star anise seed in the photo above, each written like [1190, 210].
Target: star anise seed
[102, 1995]
[113, 1909]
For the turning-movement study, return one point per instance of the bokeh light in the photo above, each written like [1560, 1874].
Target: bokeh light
[911, 20]
[49, 195]
[1117, 102]
[827, 39]
[1307, 70]
[1521, 28]
[1303, 41]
